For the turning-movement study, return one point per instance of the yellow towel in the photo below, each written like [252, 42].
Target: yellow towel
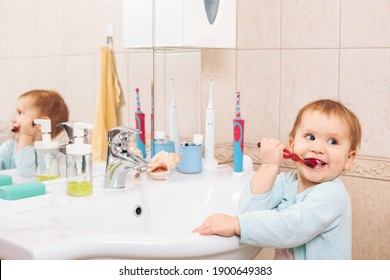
[106, 105]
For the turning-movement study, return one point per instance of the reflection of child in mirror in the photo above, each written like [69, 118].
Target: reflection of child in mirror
[308, 211]
[35, 104]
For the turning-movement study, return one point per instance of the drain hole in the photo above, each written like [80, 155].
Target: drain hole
[137, 210]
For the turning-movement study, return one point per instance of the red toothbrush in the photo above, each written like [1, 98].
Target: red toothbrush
[311, 162]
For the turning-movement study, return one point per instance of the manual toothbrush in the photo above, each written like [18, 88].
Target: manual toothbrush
[140, 125]
[238, 137]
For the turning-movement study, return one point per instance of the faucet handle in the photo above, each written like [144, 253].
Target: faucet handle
[69, 129]
[121, 134]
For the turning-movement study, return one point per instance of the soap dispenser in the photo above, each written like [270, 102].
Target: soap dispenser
[79, 162]
[46, 152]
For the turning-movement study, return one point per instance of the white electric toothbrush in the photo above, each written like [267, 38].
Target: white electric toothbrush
[209, 162]
[173, 121]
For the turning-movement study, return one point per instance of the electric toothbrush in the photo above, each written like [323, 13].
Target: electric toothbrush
[152, 147]
[173, 120]
[238, 137]
[140, 125]
[209, 162]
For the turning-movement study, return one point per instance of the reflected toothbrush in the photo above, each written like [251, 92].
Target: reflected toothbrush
[238, 137]
[152, 151]
[140, 125]
[173, 118]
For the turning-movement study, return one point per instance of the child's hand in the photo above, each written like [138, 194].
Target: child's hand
[27, 126]
[219, 224]
[271, 151]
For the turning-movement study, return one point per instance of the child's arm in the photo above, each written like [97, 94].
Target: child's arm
[26, 134]
[220, 224]
[271, 154]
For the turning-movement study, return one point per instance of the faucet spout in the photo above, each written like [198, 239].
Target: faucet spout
[120, 159]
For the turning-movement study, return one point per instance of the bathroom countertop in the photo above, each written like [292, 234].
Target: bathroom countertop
[35, 235]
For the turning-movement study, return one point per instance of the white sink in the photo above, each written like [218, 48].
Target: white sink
[147, 219]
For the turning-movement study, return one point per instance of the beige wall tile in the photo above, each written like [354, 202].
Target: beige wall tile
[159, 80]
[23, 28]
[50, 73]
[140, 67]
[24, 74]
[7, 14]
[221, 66]
[258, 79]
[7, 91]
[184, 67]
[365, 23]
[310, 24]
[306, 75]
[365, 86]
[50, 27]
[370, 218]
[79, 27]
[108, 11]
[258, 24]
[79, 89]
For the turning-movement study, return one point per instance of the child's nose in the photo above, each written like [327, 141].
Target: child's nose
[317, 148]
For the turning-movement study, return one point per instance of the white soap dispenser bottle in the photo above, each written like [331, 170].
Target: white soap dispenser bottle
[46, 153]
[79, 162]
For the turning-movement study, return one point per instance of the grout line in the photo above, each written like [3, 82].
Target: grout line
[339, 57]
[280, 70]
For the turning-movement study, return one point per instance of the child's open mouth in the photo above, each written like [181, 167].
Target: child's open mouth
[316, 162]
[15, 129]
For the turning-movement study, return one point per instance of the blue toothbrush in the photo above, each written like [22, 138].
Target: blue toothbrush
[238, 137]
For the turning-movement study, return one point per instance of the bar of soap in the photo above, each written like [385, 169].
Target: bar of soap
[5, 180]
[19, 191]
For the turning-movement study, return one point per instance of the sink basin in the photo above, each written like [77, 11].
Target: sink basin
[147, 219]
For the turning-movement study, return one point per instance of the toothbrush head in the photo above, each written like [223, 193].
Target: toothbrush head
[211, 82]
[238, 107]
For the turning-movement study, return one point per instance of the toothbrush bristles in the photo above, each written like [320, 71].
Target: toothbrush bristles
[211, 82]
[138, 101]
[238, 109]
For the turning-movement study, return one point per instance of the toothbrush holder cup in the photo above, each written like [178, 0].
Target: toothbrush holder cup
[168, 146]
[191, 161]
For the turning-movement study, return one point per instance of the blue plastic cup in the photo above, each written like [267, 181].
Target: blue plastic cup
[168, 146]
[191, 161]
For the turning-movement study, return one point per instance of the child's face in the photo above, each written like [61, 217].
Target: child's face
[26, 112]
[326, 139]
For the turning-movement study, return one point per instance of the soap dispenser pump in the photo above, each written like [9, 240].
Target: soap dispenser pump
[46, 152]
[79, 162]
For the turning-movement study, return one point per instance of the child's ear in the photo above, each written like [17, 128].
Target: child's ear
[350, 160]
[290, 144]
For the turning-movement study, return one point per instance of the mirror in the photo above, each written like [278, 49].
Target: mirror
[177, 31]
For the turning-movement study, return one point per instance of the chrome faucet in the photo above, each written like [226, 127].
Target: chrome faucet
[120, 159]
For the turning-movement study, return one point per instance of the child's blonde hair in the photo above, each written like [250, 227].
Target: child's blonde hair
[51, 104]
[333, 108]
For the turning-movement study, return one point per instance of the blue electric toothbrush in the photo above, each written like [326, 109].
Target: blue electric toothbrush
[238, 137]
[140, 125]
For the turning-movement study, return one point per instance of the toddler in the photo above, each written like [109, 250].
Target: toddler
[35, 104]
[308, 211]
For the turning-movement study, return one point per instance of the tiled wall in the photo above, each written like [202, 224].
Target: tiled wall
[288, 53]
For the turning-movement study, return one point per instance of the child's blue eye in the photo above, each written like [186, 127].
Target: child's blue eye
[332, 141]
[310, 137]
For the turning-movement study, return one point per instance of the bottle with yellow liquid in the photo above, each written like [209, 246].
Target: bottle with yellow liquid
[79, 163]
[46, 153]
